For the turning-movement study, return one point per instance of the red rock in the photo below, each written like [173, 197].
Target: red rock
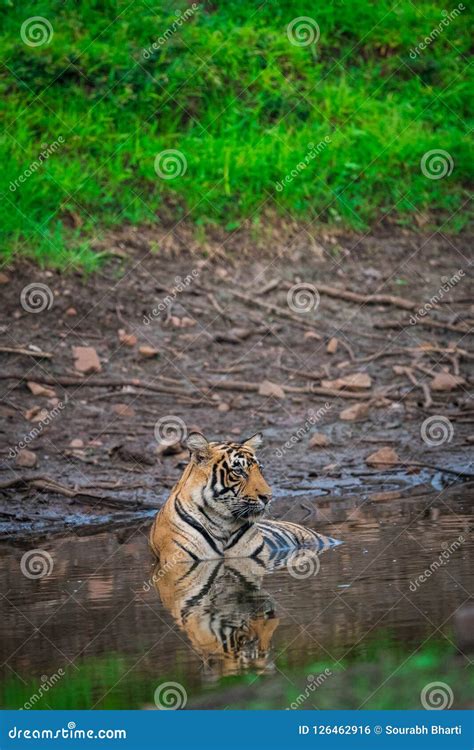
[86, 359]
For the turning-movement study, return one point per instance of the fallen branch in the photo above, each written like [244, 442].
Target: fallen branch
[47, 484]
[366, 299]
[438, 468]
[276, 309]
[26, 352]
[423, 322]
[90, 382]
[242, 385]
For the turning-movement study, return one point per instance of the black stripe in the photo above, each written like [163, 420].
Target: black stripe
[258, 550]
[278, 536]
[194, 600]
[239, 534]
[184, 515]
[188, 551]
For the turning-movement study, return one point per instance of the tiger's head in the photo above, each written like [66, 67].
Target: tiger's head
[227, 478]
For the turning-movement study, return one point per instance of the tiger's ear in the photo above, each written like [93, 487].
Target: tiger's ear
[255, 441]
[198, 445]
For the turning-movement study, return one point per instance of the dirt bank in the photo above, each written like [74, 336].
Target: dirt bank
[211, 338]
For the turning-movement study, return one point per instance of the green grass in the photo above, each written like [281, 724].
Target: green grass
[242, 103]
[380, 676]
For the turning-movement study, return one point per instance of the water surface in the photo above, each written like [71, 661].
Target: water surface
[367, 624]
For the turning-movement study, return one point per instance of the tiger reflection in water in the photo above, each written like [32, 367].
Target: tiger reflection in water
[220, 605]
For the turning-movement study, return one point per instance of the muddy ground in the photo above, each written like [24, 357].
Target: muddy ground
[216, 336]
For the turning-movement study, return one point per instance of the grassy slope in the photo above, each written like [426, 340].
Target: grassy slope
[241, 103]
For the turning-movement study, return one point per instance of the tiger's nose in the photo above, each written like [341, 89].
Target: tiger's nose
[265, 499]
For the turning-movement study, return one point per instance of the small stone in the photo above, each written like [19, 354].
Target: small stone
[123, 410]
[445, 381]
[127, 339]
[76, 443]
[267, 388]
[40, 390]
[383, 458]
[319, 440]
[4, 278]
[355, 412]
[332, 345]
[71, 312]
[26, 459]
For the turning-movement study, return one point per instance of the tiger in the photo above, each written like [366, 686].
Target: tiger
[221, 607]
[216, 510]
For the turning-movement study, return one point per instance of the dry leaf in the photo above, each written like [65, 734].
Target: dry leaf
[331, 347]
[355, 412]
[444, 381]
[233, 335]
[312, 335]
[319, 440]
[40, 390]
[384, 457]
[147, 351]
[26, 459]
[267, 388]
[36, 414]
[86, 359]
[4, 279]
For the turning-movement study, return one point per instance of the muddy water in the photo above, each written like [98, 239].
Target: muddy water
[369, 623]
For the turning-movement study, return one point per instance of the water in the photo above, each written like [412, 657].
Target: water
[355, 627]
